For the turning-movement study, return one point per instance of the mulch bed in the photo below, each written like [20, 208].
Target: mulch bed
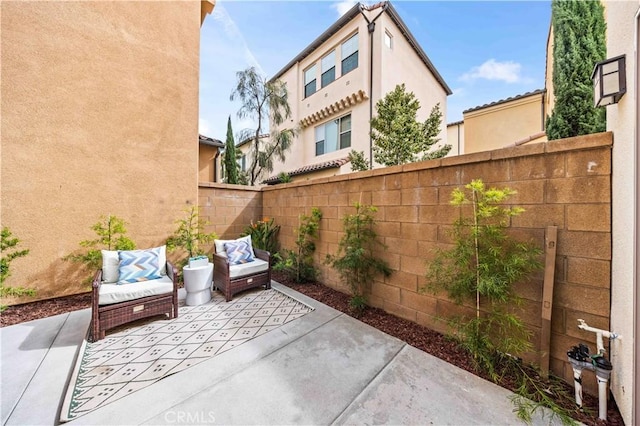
[415, 335]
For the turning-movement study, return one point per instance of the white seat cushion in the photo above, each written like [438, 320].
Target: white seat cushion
[114, 293]
[258, 265]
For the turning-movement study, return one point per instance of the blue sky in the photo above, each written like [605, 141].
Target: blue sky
[485, 51]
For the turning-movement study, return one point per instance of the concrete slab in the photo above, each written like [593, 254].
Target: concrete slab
[418, 388]
[323, 368]
[41, 400]
[23, 348]
[310, 381]
[174, 390]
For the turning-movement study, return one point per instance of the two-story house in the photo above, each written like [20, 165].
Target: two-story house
[335, 82]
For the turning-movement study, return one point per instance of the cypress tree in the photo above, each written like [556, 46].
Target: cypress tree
[578, 43]
[230, 165]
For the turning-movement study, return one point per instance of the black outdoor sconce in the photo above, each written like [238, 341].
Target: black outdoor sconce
[609, 81]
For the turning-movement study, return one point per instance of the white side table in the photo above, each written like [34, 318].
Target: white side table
[197, 283]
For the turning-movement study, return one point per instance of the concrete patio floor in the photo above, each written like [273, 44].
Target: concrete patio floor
[323, 368]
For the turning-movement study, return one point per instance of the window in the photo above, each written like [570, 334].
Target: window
[242, 163]
[388, 41]
[310, 81]
[350, 54]
[333, 135]
[328, 67]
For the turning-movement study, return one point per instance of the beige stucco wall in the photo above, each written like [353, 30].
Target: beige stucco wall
[400, 64]
[622, 120]
[455, 137]
[99, 116]
[391, 67]
[550, 97]
[207, 163]
[504, 124]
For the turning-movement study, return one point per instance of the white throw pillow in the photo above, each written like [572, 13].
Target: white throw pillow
[110, 263]
[220, 249]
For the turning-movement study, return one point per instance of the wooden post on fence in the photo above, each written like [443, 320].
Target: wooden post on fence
[550, 240]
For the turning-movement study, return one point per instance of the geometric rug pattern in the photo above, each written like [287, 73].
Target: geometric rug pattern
[133, 357]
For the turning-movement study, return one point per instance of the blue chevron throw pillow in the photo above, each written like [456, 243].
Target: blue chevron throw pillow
[138, 265]
[238, 252]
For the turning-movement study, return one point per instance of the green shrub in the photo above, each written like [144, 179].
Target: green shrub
[9, 252]
[190, 235]
[112, 235]
[356, 261]
[298, 264]
[264, 235]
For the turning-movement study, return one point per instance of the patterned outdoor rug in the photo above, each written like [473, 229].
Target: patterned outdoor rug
[134, 357]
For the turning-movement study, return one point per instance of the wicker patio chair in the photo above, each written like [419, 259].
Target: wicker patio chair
[109, 309]
[231, 279]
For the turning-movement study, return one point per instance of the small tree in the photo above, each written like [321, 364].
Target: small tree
[398, 138]
[482, 267]
[578, 43]
[263, 100]
[358, 162]
[190, 234]
[356, 261]
[112, 235]
[9, 252]
[230, 164]
[298, 263]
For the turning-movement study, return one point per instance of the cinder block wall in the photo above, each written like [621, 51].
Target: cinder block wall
[564, 183]
[229, 208]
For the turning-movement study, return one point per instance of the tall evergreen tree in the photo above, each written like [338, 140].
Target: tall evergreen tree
[230, 164]
[578, 43]
[398, 138]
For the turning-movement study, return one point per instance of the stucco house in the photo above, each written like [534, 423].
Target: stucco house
[335, 82]
[99, 116]
[623, 118]
[209, 150]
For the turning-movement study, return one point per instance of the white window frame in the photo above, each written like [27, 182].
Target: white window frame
[320, 135]
[327, 64]
[348, 48]
[308, 80]
[388, 39]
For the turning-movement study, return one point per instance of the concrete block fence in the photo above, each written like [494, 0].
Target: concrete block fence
[566, 183]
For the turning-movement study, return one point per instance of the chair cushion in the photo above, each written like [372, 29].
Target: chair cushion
[111, 263]
[114, 293]
[138, 265]
[258, 265]
[238, 252]
[219, 244]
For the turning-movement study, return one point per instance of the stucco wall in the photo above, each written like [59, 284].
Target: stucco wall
[564, 183]
[455, 137]
[622, 121]
[208, 165]
[501, 125]
[99, 116]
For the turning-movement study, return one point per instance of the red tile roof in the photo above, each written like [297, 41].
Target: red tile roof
[332, 164]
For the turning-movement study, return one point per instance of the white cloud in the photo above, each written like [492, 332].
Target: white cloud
[221, 16]
[508, 71]
[204, 127]
[343, 6]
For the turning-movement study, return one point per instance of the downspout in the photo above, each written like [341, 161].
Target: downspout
[215, 165]
[459, 153]
[371, 26]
